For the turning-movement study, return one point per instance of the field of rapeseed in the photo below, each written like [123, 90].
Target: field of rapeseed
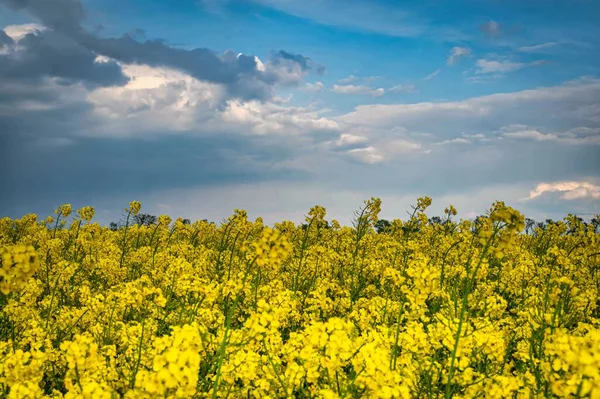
[242, 310]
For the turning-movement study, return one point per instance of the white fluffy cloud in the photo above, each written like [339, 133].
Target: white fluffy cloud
[347, 140]
[493, 66]
[154, 101]
[577, 136]
[408, 88]
[17, 32]
[316, 87]
[484, 66]
[159, 101]
[358, 89]
[348, 79]
[570, 190]
[457, 53]
[539, 47]
[567, 106]
[458, 140]
[269, 118]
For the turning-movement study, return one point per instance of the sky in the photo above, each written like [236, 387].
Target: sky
[198, 107]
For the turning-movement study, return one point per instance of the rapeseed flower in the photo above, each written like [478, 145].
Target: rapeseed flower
[177, 310]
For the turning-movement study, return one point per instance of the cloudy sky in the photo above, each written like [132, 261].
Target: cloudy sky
[197, 107]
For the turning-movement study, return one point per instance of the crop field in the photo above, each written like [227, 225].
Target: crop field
[237, 309]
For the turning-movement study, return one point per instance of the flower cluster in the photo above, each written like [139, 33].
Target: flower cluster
[17, 265]
[272, 248]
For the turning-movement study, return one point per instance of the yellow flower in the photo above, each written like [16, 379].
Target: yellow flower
[134, 207]
[17, 265]
[64, 210]
[86, 213]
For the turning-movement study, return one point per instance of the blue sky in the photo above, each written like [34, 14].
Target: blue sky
[197, 107]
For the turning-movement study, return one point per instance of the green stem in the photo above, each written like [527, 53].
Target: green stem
[124, 239]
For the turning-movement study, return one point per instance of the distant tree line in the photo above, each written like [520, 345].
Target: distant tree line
[144, 219]
[384, 226]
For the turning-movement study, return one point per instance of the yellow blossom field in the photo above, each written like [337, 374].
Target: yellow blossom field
[242, 310]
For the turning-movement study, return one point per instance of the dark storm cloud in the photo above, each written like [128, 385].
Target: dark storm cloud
[49, 54]
[5, 40]
[238, 73]
[231, 70]
[305, 63]
[93, 168]
[60, 15]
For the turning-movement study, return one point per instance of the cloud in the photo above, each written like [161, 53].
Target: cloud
[305, 63]
[582, 136]
[458, 140]
[44, 53]
[164, 101]
[6, 43]
[316, 87]
[60, 15]
[368, 155]
[243, 75]
[570, 190]
[370, 79]
[349, 79]
[155, 101]
[17, 32]
[491, 28]
[269, 118]
[348, 141]
[367, 80]
[484, 78]
[238, 72]
[403, 89]
[467, 139]
[371, 146]
[566, 106]
[493, 66]
[538, 47]
[484, 66]
[173, 129]
[432, 74]
[457, 53]
[360, 90]
[548, 47]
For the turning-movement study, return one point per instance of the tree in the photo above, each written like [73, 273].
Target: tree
[575, 223]
[529, 225]
[435, 220]
[477, 223]
[382, 226]
[187, 221]
[114, 226]
[595, 222]
[144, 219]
